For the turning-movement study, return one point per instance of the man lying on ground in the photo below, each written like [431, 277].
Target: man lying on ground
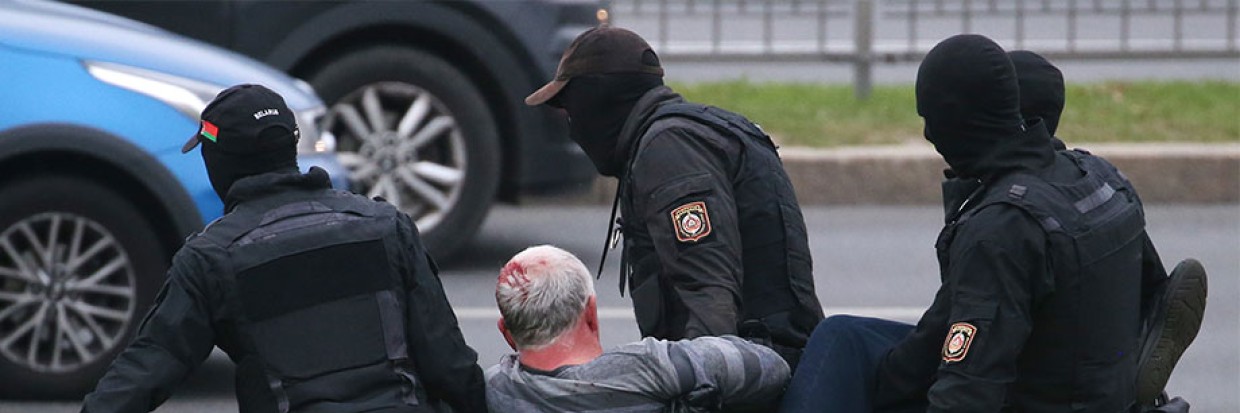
[550, 317]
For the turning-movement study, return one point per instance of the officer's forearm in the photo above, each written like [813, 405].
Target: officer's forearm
[139, 381]
[445, 363]
[954, 392]
[712, 311]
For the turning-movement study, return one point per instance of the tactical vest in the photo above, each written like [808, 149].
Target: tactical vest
[778, 290]
[320, 289]
[1081, 354]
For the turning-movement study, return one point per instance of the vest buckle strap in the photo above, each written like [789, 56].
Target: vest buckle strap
[1017, 191]
[409, 391]
[277, 390]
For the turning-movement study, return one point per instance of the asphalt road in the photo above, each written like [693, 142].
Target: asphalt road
[869, 260]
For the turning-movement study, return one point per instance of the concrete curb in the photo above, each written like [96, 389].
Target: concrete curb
[910, 174]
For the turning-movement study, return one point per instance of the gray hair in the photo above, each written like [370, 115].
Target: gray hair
[541, 292]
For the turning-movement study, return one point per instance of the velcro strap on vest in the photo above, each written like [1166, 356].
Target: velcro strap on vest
[393, 327]
[391, 317]
[1095, 199]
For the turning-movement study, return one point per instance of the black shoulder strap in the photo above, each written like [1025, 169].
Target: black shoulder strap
[1014, 190]
[723, 121]
[1040, 199]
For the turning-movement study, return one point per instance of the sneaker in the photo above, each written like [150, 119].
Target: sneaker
[1173, 326]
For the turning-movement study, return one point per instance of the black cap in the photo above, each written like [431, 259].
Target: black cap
[246, 119]
[599, 50]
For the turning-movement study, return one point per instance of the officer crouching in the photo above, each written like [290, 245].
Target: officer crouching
[715, 243]
[1053, 298]
[325, 300]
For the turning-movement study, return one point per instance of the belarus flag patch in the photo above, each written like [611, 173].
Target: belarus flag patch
[209, 131]
[691, 222]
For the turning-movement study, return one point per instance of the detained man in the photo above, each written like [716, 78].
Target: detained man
[550, 317]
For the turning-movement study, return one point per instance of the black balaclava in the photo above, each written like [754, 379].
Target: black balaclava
[598, 106]
[970, 100]
[225, 168]
[1041, 88]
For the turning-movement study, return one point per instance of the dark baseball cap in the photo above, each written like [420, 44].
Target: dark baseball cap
[245, 119]
[600, 50]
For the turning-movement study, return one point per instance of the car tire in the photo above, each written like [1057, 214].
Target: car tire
[415, 131]
[91, 230]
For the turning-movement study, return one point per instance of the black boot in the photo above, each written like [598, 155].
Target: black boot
[1173, 326]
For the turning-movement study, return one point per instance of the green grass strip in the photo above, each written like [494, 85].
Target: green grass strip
[823, 115]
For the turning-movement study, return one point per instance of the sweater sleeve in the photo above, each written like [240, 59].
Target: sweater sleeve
[728, 373]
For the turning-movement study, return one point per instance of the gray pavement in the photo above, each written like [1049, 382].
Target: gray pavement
[869, 260]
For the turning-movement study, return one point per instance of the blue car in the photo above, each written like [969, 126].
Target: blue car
[95, 196]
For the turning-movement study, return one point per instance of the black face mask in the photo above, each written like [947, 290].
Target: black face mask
[598, 106]
[1041, 88]
[226, 168]
[968, 95]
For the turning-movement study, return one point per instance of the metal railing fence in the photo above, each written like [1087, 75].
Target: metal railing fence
[866, 32]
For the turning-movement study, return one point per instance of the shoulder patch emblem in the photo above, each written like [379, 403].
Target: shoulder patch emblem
[691, 221]
[959, 337]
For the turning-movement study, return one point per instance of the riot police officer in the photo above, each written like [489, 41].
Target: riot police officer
[1023, 306]
[1042, 262]
[714, 238]
[325, 300]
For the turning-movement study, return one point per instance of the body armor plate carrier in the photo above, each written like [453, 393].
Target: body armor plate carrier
[322, 289]
[1082, 351]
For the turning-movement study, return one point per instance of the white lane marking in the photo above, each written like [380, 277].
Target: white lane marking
[620, 313]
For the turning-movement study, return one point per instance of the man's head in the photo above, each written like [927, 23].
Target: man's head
[601, 76]
[246, 130]
[544, 293]
[968, 95]
[1041, 88]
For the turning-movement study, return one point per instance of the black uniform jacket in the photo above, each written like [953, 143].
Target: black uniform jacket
[977, 348]
[714, 238]
[196, 311]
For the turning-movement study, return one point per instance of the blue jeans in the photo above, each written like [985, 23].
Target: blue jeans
[836, 371]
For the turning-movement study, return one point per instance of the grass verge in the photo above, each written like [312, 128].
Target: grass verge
[820, 115]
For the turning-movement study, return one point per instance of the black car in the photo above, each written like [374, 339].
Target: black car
[424, 97]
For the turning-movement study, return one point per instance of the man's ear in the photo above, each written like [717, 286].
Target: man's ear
[504, 331]
[591, 314]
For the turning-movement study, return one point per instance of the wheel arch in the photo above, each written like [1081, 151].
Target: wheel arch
[460, 34]
[105, 159]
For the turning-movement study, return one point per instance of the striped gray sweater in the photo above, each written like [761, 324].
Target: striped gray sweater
[707, 373]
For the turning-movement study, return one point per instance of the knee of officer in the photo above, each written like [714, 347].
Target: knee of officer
[837, 327]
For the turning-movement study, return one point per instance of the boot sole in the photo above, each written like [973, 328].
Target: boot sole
[1177, 320]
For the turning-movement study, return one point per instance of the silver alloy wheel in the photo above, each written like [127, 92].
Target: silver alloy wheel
[401, 143]
[67, 292]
